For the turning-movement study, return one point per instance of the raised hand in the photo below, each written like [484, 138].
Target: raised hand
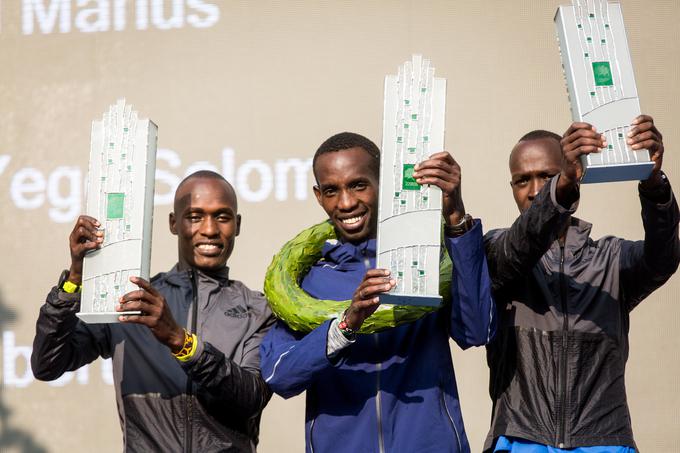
[155, 314]
[85, 237]
[443, 171]
[645, 135]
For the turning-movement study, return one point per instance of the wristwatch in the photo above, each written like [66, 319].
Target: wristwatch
[67, 286]
[658, 193]
[460, 228]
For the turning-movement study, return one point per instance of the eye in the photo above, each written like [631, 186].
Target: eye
[224, 218]
[329, 191]
[193, 218]
[361, 185]
[522, 182]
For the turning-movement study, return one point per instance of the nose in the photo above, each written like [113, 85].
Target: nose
[535, 187]
[209, 227]
[347, 201]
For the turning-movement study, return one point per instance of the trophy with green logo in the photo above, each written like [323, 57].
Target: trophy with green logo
[409, 215]
[601, 86]
[120, 192]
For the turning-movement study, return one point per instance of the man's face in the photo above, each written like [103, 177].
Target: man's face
[348, 191]
[532, 163]
[205, 222]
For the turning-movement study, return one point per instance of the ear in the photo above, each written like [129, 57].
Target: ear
[317, 193]
[238, 224]
[172, 221]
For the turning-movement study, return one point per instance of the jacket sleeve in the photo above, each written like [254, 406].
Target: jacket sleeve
[473, 311]
[62, 342]
[646, 265]
[291, 361]
[239, 386]
[513, 252]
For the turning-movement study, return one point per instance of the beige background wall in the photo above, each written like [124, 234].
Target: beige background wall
[270, 81]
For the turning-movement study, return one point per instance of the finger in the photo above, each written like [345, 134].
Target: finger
[145, 285]
[578, 126]
[137, 294]
[136, 319]
[138, 305]
[646, 144]
[84, 233]
[642, 119]
[581, 143]
[376, 273]
[440, 159]
[641, 137]
[370, 291]
[437, 173]
[365, 304]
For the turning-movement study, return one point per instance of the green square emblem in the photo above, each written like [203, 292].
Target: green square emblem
[114, 206]
[603, 74]
[408, 181]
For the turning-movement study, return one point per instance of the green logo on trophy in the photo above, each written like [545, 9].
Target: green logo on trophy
[408, 181]
[603, 74]
[115, 205]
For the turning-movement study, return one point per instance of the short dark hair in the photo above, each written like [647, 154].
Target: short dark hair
[208, 174]
[347, 140]
[540, 134]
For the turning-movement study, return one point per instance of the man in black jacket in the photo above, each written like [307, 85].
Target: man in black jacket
[558, 361]
[196, 388]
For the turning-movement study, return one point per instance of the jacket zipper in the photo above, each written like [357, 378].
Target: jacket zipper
[448, 414]
[188, 414]
[378, 411]
[564, 358]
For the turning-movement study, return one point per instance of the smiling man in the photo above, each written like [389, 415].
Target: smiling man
[187, 371]
[557, 364]
[393, 391]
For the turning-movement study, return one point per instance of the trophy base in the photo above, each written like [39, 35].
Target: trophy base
[638, 171]
[410, 299]
[104, 317]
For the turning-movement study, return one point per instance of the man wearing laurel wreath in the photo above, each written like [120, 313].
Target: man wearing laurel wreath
[394, 390]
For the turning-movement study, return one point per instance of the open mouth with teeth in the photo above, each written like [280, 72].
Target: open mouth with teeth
[353, 223]
[209, 249]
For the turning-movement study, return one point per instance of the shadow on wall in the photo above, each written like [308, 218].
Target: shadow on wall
[11, 438]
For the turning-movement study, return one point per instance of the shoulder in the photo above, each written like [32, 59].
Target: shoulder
[494, 234]
[255, 300]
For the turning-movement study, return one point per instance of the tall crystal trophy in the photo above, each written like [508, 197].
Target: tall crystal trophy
[601, 86]
[409, 215]
[120, 192]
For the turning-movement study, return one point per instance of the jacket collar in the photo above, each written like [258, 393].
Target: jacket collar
[339, 252]
[577, 237]
[179, 276]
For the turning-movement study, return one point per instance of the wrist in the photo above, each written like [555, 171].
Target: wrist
[459, 228]
[347, 331]
[75, 275]
[177, 340]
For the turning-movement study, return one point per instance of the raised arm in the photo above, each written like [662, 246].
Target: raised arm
[646, 265]
[63, 343]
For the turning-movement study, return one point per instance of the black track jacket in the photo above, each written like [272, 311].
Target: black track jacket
[557, 364]
[211, 403]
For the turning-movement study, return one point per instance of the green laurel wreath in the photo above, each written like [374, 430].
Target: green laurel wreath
[303, 313]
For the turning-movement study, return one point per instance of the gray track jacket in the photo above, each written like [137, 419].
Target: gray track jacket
[212, 403]
[558, 361]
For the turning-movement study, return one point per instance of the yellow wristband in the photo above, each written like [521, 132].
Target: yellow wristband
[188, 349]
[70, 287]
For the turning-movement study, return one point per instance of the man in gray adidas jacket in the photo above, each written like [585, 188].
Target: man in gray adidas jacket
[196, 388]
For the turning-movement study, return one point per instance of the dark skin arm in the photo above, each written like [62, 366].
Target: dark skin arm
[442, 171]
[155, 314]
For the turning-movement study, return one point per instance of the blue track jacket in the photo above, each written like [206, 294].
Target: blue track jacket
[393, 391]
